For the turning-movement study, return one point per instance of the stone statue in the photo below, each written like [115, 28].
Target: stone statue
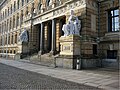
[24, 36]
[73, 26]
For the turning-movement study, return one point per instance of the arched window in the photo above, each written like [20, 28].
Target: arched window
[14, 6]
[8, 11]
[22, 1]
[47, 2]
[11, 9]
[39, 5]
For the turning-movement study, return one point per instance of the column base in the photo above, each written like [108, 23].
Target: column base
[41, 52]
[52, 52]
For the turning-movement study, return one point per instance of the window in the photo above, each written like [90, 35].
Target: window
[8, 39]
[113, 20]
[16, 38]
[11, 8]
[94, 49]
[13, 21]
[21, 17]
[22, 2]
[12, 39]
[14, 6]
[47, 2]
[17, 20]
[112, 54]
[8, 11]
[5, 12]
[10, 24]
[18, 4]
[39, 6]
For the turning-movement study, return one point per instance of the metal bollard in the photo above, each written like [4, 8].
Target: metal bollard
[78, 64]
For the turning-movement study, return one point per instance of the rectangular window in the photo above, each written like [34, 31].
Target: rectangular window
[112, 54]
[113, 20]
[94, 49]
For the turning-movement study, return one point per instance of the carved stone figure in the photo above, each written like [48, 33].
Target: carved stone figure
[24, 36]
[73, 26]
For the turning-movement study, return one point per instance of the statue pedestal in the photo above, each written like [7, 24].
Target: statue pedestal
[70, 45]
[22, 50]
[70, 51]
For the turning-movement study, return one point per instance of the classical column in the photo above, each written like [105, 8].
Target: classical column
[42, 38]
[53, 36]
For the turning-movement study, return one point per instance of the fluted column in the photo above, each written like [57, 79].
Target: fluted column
[53, 49]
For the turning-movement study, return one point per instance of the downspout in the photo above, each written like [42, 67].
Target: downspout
[98, 37]
[98, 18]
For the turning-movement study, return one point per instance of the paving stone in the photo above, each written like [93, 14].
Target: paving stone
[14, 78]
[95, 77]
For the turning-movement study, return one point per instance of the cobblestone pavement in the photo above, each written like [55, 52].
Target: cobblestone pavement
[14, 78]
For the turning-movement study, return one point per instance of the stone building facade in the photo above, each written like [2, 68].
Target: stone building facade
[43, 19]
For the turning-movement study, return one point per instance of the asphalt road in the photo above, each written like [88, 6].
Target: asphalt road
[14, 78]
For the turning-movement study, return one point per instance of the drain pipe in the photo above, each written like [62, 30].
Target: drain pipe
[98, 37]
[98, 18]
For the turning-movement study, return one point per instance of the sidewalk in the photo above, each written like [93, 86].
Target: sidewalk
[102, 78]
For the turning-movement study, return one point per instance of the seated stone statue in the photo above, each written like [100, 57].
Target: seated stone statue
[73, 26]
[24, 36]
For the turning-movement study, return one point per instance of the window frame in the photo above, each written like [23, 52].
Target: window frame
[110, 17]
[112, 54]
